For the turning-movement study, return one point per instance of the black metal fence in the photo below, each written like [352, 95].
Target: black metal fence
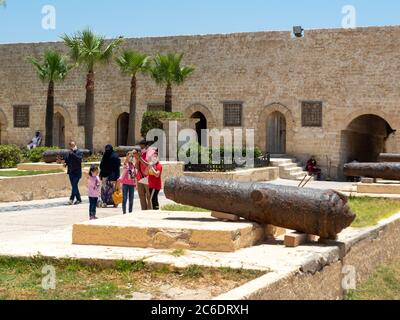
[222, 167]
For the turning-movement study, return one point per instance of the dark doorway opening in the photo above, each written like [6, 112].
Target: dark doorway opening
[59, 131]
[122, 129]
[201, 125]
[365, 138]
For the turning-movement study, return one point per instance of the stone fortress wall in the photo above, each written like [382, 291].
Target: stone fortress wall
[354, 74]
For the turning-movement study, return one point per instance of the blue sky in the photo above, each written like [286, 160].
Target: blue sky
[21, 20]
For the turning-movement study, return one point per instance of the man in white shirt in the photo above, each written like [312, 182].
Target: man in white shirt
[36, 140]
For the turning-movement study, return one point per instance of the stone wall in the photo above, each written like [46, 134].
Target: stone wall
[323, 279]
[353, 72]
[51, 186]
[47, 186]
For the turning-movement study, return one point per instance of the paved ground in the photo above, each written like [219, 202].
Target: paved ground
[45, 227]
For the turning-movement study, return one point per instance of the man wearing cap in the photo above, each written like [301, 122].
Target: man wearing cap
[146, 153]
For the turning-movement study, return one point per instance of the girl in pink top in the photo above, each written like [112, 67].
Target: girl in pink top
[94, 191]
[128, 181]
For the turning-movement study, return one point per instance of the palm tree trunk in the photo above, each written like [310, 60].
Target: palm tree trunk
[89, 111]
[132, 114]
[168, 99]
[50, 115]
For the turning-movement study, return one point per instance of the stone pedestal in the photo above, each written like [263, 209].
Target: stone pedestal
[169, 230]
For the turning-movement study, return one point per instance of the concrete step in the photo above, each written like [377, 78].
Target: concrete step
[289, 168]
[295, 170]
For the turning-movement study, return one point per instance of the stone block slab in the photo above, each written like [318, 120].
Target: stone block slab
[225, 216]
[169, 230]
[378, 188]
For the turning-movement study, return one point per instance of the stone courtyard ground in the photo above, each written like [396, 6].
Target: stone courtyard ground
[44, 228]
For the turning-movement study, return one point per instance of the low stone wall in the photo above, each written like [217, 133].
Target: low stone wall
[46, 186]
[247, 175]
[40, 166]
[51, 186]
[322, 279]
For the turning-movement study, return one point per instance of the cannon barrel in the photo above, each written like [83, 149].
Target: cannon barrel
[316, 212]
[122, 151]
[389, 157]
[50, 156]
[388, 171]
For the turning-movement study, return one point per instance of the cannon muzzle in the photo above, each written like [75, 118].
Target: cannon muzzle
[317, 212]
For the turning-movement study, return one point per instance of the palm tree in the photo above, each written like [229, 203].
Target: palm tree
[132, 63]
[53, 68]
[89, 49]
[168, 70]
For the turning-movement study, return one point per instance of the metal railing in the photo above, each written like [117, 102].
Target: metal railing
[263, 162]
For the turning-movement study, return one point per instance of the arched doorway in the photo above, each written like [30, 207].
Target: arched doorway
[201, 125]
[59, 130]
[365, 138]
[276, 133]
[122, 129]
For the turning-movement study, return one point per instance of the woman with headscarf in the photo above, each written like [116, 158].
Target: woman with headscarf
[109, 173]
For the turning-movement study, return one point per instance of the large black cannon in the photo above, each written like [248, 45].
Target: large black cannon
[316, 212]
[51, 156]
[122, 151]
[388, 171]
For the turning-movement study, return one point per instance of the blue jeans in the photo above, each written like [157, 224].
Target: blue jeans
[74, 179]
[92, 206]
[128, 193]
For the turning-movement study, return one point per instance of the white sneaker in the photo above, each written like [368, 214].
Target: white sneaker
[70, 203]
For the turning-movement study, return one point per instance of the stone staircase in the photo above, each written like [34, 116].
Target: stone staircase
[289, 167]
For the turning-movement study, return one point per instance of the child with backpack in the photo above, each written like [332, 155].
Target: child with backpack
[94, 191]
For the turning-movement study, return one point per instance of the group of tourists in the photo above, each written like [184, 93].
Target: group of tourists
[109, 186]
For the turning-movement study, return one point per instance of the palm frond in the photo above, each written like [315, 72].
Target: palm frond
[132, 62]
[88, 48]
[168, 69]
[53, 67]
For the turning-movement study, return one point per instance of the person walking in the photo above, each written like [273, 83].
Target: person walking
[142, 178]
[109, 173]
[94, 185]
[155, 172]
[73, 161]
[128, 181]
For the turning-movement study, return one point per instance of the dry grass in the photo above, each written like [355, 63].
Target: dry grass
[384, 284]
[372, 210]
[22, 279]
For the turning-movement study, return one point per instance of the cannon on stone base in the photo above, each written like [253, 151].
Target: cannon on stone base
[52, 155]
[389, 157]
[316, 212]
[387, 171]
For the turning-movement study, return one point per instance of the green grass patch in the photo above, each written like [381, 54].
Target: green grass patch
[178, 207]
[384, 284]
[193, 272]
[370, 211]
[21, 278]
[177, 253]
[23, 173]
